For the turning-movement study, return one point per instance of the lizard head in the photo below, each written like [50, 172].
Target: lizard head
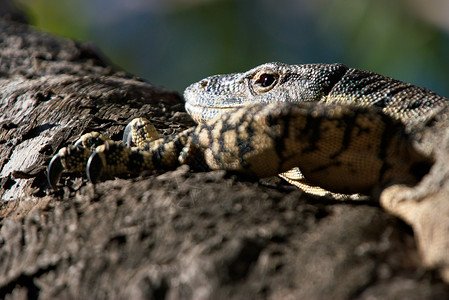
[271, 82]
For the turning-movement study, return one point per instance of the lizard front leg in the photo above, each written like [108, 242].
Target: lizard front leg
[342, 148]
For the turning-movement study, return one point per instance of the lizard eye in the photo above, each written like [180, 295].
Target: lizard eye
[266, 80]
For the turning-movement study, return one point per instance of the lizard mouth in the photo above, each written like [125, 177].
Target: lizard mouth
[202, 114]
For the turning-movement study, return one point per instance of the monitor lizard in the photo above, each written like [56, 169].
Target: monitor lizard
[329, 129]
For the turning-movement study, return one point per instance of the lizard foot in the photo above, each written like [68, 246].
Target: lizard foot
[113, 158]
[138, 134]
[74, 157]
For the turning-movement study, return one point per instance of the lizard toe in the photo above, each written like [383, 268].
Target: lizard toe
[139, 132]
[54, 171]
[94, 167]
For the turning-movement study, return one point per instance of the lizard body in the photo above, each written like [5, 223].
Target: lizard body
[322, 127]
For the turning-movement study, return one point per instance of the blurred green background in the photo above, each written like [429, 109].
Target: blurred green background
[173, 43]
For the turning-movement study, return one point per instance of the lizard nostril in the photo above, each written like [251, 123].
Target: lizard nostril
[204, 83]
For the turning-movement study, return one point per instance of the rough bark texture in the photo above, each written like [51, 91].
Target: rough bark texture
[177, 235]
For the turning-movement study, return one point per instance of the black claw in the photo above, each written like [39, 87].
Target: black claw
[94, 167]
[54, 171]
[127, 136]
